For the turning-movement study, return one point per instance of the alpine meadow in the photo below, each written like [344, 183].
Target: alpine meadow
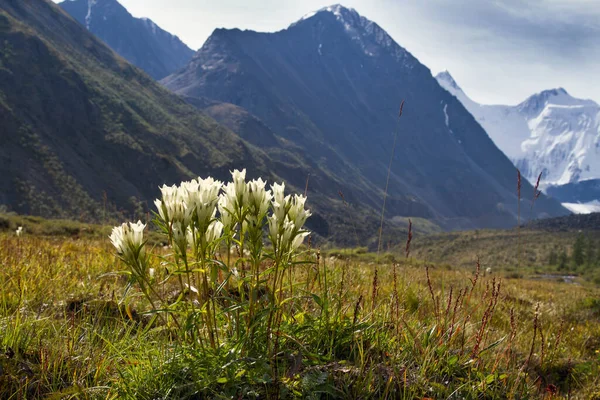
[300, 212]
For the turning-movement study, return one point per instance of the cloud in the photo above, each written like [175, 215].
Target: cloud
[504, 51]
[499, 51]
[560, 28]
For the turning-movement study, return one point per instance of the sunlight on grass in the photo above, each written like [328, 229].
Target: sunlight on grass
[71, 330]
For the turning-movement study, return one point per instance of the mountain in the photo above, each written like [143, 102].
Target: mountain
[139, 40]
[581, 197]
[85, 133]
[550, 132]
[330, 86]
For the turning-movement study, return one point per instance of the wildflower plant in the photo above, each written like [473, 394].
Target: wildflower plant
[201, 218]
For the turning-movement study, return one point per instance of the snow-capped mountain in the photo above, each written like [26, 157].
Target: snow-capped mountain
[138, 40]
[550, 132]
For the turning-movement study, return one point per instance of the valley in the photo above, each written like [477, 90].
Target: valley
[300, 212]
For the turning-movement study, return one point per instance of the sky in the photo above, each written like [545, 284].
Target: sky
[498, 51]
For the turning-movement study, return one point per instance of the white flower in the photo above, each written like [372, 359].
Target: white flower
[287, 220]
[281, 203]
[19, 231]
[214, 231]
[171, 207]
[239, 183]
[297, 213]
[201, 198]
[225, 209]
[190, 235]
[273, 228]
[299, 239]
[128, 238]
[180, 237]
[259, 197]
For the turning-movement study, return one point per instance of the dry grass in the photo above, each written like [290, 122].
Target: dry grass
[70, 330]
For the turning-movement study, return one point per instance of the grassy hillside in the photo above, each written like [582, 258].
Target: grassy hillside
[565, 245]
[82, 127]
[74, 328]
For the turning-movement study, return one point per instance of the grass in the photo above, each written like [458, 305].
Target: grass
[71, 328]
[496, 249]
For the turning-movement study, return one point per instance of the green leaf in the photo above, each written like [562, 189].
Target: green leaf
[317, 300]
[491, 346]
[240, 374]
[222, 380]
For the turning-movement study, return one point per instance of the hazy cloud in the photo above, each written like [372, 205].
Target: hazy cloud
[498, 51]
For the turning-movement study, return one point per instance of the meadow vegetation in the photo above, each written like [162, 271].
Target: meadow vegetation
[227, 310]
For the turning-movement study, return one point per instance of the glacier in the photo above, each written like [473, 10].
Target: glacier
[551, 133]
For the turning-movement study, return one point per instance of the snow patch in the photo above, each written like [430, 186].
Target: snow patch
[309, 15]
[583, 208]
[447, 119]
[151, 24]
[88, 17]
[366, 33]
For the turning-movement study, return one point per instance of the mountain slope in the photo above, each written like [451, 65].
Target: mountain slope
[78, 121]
[331, 84]
[84, 131]
[551, 132]
[138, 40]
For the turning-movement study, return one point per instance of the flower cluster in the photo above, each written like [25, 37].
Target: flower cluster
[198, 213]
[287, 220]
[19, 231]
[201, 217]
[128, 239]
[190, 212]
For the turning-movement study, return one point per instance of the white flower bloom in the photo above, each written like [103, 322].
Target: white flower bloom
[201, 198]
[297, 213]
[180, 237]
[128, 237]
[273, 227]
[137, 233]
[214, 231]
[287, 220]
[259, 197]
[225, 209]
[190, 235]
[298, 240]
[19, 231]
[239, 183]
[171, 207]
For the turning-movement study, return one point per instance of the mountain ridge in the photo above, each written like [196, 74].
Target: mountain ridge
[331, 83]
[86, 134]
[139, 40]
